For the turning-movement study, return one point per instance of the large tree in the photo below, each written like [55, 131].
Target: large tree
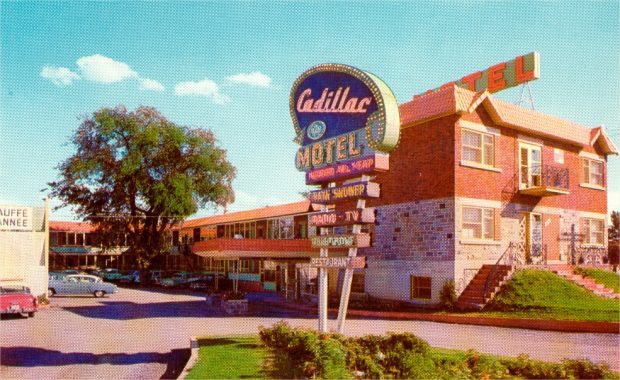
[135, 174]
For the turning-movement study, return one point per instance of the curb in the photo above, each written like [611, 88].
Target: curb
[522, 323]
[193, 358]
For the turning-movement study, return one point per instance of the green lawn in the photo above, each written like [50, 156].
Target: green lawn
[605, 277]
[232, 357]
[540, 294]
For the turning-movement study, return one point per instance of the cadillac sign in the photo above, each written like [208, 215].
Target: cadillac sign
[342, 115]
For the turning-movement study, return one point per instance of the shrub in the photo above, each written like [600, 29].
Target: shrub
[585, 369]
[447, 296]
[523, 366]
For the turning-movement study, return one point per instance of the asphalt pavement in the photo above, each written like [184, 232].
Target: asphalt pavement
[145, 333]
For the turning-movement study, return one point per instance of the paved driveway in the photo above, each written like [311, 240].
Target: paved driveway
[144, 334]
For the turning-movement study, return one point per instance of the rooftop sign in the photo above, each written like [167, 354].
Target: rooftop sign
[498, 77]
[342, 114]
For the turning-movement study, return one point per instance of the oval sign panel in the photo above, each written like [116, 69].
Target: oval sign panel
[342, 114]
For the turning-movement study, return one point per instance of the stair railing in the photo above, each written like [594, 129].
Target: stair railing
[509, 257]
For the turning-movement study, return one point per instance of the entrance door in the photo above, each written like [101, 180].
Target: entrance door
[530, 161]
[534, 238]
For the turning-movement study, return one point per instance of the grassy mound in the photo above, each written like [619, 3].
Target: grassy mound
[534, 293]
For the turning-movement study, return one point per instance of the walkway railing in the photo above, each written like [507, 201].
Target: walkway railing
[510, 258]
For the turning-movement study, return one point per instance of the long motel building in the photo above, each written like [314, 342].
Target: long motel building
[472, 177]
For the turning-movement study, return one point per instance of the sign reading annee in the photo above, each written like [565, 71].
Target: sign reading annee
[342, 114]
[16, 218]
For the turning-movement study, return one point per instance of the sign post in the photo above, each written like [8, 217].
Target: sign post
[346, 121]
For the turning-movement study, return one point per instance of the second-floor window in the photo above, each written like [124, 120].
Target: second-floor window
[478, 223]
[478, 147]
[592, 172]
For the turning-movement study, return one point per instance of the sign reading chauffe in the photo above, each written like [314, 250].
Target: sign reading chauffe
[342, 115]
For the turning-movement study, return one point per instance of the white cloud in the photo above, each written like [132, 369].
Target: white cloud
[205, 87]
[150, 84]
[101, 69]
[255, 78]
[60, 76]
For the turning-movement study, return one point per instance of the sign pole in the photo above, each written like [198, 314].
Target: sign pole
[348, 273]
[323, 286]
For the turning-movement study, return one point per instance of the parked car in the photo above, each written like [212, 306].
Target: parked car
[17, 300]
[205, 282]
[155, 276]
[76, 284]
[130, 277]
[111, 274]
[179, 279]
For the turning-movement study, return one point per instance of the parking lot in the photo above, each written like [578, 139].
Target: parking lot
[144, 334]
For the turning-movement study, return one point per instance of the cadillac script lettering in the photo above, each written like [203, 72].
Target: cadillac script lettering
[332, 102]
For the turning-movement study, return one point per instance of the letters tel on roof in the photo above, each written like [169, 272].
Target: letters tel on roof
[522, 69]
[342, 114]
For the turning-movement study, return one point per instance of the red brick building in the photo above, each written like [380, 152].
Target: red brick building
[472, 176]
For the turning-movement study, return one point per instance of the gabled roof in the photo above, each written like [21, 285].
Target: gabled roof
[599, 134]
[71, 226]
[260, 213]
[457, 100]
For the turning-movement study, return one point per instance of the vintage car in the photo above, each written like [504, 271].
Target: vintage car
[77, 284]
[130, 277]
[179, 279]
[17, 300]
[111, 274]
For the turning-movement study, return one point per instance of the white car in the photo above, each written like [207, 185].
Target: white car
[77, 284]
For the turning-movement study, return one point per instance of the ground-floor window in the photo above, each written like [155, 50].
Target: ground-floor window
[420, 287]
[594, 231]
[478, 223]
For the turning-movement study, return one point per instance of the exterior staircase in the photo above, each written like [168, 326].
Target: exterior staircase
[484, 285]
[566, 271]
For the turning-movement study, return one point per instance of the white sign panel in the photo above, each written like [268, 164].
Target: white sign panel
[15, 218]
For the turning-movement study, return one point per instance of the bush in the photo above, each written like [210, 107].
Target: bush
[303, 353]
[447, 296]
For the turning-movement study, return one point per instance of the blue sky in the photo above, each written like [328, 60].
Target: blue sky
[229, 66]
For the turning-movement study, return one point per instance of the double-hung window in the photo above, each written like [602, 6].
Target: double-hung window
[420, 287]
[592, 172]
[478, 147]
[594, 231]
[478, 223]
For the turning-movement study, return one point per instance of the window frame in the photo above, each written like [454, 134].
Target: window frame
[419, 292]
[482, 148]
[586, 165]
[589, 232]
[486, 223]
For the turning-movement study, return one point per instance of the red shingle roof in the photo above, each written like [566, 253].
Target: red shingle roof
[458, 100]
[260, 213]
[71, 226]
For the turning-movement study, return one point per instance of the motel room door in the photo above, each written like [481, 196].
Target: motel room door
[533, 238]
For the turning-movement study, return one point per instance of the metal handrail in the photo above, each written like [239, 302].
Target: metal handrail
[508, 253]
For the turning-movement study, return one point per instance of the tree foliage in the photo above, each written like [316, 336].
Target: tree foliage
[135, 174]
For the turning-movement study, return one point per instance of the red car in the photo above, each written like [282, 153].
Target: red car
[17, 299]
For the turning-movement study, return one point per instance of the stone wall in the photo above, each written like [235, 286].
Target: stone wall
[419, 230]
